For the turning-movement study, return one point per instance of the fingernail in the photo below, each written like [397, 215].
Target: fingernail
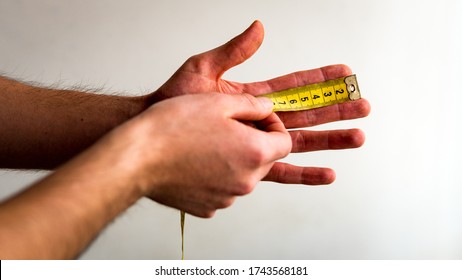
[266, 102]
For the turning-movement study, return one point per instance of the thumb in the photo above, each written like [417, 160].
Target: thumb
[245, 107]
[234, 52]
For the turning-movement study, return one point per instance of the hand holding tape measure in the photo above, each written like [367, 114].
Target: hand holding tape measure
[305, 98]
[324, 90]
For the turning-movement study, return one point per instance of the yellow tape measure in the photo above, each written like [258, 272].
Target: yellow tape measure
[315, 95]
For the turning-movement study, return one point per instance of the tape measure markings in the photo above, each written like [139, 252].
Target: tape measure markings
[316, 95]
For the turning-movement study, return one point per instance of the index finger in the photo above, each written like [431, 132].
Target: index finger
[344, 111]
[298, 79]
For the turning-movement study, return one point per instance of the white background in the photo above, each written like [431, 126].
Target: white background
[398, 197]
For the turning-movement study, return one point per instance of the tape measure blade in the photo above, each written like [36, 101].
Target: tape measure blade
[316, 95]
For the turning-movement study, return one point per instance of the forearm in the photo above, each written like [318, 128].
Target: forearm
[42, 128]
[59, 216]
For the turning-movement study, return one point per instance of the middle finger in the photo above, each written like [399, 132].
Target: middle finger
[308, 141]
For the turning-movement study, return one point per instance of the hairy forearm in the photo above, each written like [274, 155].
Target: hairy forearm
[41, 128]
[59, 216]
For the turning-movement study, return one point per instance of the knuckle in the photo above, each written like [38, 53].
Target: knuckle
[196, 63]
[207, 214]
[235, 51]
[251, 100]
[287, 149]
[256, 155]
[245, 187]
[279, 174]
[225, 203]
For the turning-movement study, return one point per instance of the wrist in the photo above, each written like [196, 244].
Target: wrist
[132, 156]
[153, 98]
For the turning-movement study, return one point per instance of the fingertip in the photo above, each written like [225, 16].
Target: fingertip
[319, 176]
[258, 25]
[267, 103]
[323, 176]
[344, 69]
[257, 21]
[235, 51]
[255, 33]
[330, 176]
[336, 71]
[364, 108]
[358, 137]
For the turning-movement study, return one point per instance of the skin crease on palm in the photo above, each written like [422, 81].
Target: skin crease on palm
[202, 73]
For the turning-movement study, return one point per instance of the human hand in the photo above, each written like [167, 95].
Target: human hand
[203, 155]
[202, 74]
